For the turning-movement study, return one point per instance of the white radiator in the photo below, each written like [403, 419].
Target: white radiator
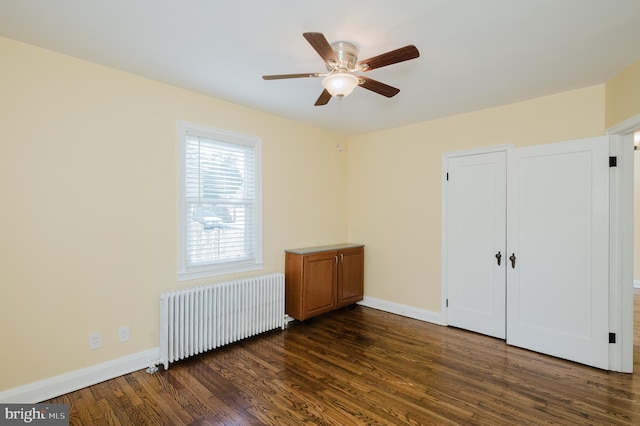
[198, 319]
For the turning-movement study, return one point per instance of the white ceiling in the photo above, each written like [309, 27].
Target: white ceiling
[474, 53]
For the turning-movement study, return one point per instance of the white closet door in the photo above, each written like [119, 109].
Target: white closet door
[558, 227]
[475, 234]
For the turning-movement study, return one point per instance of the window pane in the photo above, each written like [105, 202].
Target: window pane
[219, 232]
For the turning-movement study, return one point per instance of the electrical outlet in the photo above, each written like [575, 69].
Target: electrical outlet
[123, 333]
[95, 340]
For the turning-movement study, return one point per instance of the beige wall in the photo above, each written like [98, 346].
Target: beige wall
[623, 95]
[395, 184]
[88, 214]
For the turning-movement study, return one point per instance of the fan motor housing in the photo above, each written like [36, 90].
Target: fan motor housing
[347, 54]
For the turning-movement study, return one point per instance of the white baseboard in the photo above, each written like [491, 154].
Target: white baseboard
[69, 382]
[636, 283]
[404, 310]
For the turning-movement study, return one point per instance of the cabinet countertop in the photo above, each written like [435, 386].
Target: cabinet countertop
[309, 250]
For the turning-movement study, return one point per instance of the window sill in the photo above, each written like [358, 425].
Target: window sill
[206, 272]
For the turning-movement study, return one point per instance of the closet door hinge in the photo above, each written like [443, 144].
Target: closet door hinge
[446, 303]
[612, 337]
[613, 161]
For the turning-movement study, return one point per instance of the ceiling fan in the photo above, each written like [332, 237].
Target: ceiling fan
[341, 60]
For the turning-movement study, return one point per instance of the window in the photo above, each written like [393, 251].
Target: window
[219, 202]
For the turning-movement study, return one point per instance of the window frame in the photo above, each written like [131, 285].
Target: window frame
[185, 271]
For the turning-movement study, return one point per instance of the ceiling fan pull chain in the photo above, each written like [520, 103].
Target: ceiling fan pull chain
[338, 108]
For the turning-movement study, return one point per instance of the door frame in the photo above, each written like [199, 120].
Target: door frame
[444, 278]
[621, 244]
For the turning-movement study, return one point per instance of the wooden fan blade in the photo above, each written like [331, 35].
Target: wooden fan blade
[380, 88]
[324, 98]
[322, 46]
[393, 57]
[281, 76]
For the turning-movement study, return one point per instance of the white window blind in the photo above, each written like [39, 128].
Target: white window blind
[220, 202]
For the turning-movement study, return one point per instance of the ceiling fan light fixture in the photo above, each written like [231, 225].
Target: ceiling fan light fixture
[340, 84]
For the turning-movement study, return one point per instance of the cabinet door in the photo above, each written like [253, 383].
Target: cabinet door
[320, 279]
[350, 276]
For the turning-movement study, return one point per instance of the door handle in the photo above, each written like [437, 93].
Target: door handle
[512, 258]
[336, 257]
[341, 258]
[499, 258]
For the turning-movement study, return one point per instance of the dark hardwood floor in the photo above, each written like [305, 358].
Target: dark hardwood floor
[363, 366]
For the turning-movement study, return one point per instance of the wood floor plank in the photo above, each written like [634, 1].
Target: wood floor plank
[366, 367]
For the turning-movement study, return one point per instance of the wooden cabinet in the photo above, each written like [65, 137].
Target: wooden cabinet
[321, 279]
